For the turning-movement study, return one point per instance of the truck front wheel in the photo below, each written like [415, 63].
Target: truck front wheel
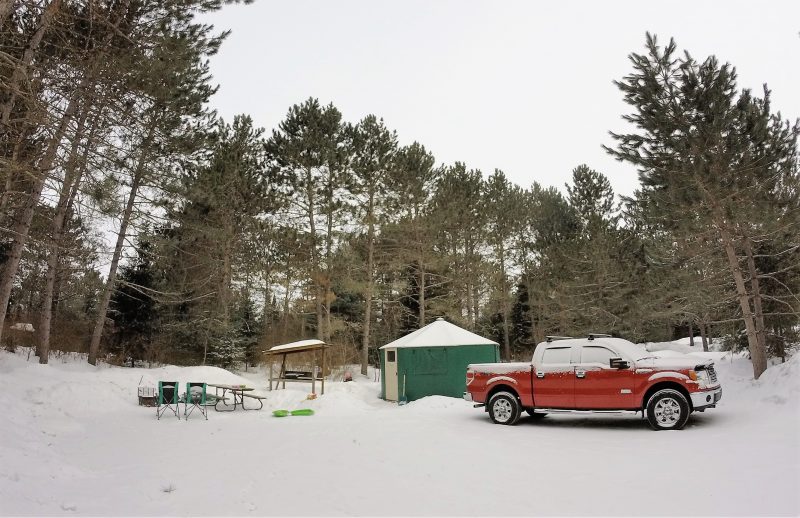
[504, 408]
[667, 409]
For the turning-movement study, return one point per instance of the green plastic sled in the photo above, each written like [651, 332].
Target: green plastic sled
[284, 413]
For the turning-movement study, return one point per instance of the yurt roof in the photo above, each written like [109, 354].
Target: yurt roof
[439, 333]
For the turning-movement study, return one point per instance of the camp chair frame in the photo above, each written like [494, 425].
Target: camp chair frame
[167, 400]
[200, 401]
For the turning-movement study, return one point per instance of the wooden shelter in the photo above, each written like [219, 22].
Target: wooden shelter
[303, 346]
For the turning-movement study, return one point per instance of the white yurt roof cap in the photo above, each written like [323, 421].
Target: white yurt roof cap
[439, 333]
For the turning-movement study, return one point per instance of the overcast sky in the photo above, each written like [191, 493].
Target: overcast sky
[525, 87]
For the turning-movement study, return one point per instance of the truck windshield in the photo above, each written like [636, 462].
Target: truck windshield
[630, 350]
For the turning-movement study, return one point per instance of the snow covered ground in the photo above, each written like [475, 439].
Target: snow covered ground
[74, 442]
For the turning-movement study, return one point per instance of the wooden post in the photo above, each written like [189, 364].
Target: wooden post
[271, 360]
[314, 372]
[283, 371]
[323, 371]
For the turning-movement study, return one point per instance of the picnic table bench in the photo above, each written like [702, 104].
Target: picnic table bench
[298, 375]
[260, 400]
[238, 393]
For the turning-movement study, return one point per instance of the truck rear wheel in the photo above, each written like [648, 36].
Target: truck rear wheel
[667, 409]
[504, 408]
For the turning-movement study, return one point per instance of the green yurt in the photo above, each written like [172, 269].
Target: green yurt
[432, 361]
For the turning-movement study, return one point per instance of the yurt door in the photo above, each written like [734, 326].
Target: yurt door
[390, 379]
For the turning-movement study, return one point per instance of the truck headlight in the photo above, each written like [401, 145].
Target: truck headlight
[701, 377]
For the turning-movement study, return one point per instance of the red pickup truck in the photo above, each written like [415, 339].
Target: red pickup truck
[595, 374]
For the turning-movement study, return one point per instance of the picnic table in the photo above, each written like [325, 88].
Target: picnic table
[238, 392]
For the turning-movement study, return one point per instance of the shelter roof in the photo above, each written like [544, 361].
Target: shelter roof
[439, 333]
[299, 346]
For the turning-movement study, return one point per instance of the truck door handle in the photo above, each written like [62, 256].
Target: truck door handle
[540, 374]
[580, 373]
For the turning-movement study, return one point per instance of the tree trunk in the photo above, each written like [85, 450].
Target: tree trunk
[328, 254]
[315, 269]
[286, 304]
[691, 334]
[20, 71]
[757, 354]
[225, 282]
[368, 293]
[504, 305]
[10, 170]
[421, 322]
[268, 303]
[468, 285]
[703, 335]
[755, 290]
[71, 180]
[22, 226]
[418, 240]
[94, 347]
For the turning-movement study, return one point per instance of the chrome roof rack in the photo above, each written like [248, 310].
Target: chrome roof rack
[550, 338]
[592, 336]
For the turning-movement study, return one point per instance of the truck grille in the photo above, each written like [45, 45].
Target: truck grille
[712, 374]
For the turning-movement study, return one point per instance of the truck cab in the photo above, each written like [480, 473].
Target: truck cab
[595, 374]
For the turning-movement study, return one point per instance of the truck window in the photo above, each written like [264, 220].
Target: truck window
[595, 354]
[556, 355]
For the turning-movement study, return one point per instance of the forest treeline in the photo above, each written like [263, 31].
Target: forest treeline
[226, 239]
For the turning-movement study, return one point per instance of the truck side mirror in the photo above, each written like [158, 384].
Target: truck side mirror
[618, 363]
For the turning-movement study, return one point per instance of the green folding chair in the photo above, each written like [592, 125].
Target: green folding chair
[195, 398]
[167, 398]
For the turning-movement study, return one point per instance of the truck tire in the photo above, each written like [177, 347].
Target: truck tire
[667, 409]
[504, 408]
[535, 415]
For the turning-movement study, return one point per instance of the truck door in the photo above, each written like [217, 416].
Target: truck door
[554, 379]
[597, 385]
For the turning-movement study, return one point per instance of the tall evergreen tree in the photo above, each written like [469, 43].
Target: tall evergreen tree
[174, 90]
[306, 148]
[374, 148]
[503, 206]
[411, 235]
[702, 144]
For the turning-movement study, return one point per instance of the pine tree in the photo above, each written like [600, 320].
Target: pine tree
[224, 200]
[592, 197]
[136, 312]
[702, 144]
[174, 89]
[460, 224]
[374, 148]
[410, 237]
[306, 149]
[503, 206]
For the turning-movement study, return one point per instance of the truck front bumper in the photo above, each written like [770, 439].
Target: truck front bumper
[706, 398]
